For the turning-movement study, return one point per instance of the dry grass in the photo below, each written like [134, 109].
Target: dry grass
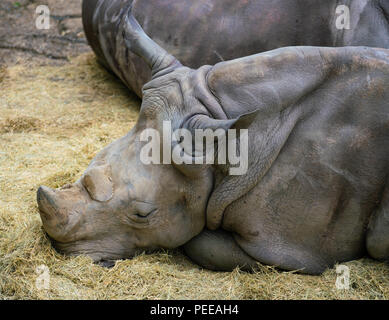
[53, 120]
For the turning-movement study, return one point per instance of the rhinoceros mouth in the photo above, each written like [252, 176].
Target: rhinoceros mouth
[87, 247]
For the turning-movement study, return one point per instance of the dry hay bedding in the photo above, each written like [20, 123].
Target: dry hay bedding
[53, 120]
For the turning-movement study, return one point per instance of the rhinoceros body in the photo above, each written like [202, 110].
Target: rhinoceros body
[315, 191]
[208, 31]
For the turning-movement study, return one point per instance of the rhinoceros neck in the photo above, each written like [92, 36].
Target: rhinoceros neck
[264, 146]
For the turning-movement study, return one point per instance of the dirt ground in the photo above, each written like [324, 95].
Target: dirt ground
[20, 40]
[58, 108]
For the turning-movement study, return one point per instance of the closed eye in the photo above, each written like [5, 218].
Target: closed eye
[144, 215]
[142, 211]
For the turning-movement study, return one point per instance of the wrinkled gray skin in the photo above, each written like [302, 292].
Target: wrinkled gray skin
[316, 191]
[204, 32]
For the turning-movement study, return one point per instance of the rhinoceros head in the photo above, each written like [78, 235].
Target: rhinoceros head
[120, 205]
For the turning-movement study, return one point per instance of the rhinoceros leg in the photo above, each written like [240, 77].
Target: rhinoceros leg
[217, 250]
[377, 241]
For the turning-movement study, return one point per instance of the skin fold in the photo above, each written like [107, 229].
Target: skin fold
[315, 192]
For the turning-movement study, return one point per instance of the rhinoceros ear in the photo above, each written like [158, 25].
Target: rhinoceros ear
[138, 42]
[203, 122]
[98, 182]
[204, 143]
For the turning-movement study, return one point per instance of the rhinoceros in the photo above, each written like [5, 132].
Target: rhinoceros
[315, 191]
[208, 31]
